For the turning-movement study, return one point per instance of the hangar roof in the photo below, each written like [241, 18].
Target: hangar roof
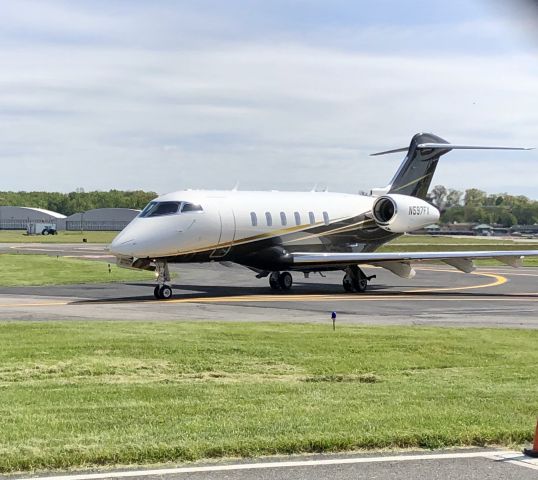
[103, 214]
[13, 210]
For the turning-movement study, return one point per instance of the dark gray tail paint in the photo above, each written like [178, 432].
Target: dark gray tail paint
[416, 171]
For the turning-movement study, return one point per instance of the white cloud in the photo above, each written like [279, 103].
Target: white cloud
[280, 114]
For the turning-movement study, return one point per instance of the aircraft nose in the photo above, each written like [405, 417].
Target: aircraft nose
[122, 246]
[125, 243]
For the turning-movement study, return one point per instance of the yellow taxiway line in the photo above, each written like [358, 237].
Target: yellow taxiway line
[499, 280]
[342, 297]
[37, 304]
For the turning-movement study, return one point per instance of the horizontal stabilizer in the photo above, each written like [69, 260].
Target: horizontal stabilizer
[453, 146]
[396, 150]
[449, 146]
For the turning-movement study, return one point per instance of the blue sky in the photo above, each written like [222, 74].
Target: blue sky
[165, 95]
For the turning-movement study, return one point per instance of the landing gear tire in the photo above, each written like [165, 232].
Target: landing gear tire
[355, 280]
[273, 281]
[347, 283]
[163, 292]
[285, 280]
[360, 284]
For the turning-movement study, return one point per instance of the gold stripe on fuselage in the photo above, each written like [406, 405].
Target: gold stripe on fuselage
[276, 233]
[242, 241]
[347, 228]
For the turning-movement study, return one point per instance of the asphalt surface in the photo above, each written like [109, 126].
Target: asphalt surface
[451, 464]
[438, 295]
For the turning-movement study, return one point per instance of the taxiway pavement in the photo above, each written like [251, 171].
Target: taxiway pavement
[468, 464]
[438, 295]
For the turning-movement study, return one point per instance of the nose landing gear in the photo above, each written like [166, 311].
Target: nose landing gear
[162, 290]
[355, 280]
[280, 281]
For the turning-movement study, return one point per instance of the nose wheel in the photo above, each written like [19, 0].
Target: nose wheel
[162, 290]
[280, 281]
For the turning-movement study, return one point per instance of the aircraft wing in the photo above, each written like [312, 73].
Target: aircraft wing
[399, 262]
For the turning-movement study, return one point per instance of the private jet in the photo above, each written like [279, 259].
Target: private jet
[276, 233]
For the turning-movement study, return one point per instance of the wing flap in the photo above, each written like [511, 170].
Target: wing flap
[511, 261]
[465, 265]
[509, 257]
[402, 269]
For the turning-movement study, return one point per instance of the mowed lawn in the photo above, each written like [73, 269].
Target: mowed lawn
[428, 243]
[34, 270]
[77, 394]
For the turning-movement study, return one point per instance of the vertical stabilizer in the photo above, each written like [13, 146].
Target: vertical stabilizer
[416, 171]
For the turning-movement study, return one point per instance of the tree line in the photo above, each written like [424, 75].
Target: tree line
[79, 201]
[475, 205]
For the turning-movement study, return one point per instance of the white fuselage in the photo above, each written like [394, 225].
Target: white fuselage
[228, 219]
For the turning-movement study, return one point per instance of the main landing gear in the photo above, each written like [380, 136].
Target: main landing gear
[280, 281]
[162, 291]
[355, 280]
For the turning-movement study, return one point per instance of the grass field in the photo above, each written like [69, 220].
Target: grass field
[450, 240]
[82, 394]
[26, 270]
[20, 236]
[426, 243]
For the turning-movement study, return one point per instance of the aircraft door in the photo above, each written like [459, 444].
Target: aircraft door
[227, 230]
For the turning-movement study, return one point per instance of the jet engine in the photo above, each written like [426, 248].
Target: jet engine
[403, 213]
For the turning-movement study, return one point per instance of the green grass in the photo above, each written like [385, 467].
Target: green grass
[27, 270]
[75, 394]
[20, 236]
[426, 243]
[449, 240]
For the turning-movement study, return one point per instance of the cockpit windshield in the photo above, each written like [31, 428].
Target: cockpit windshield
[158, 209]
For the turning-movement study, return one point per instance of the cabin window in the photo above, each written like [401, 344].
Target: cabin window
[191, 207]
[283, 219]
[297, 216]
[326, 218]
[312, 218]
[268, 219]
[253, 219]
[157, 209]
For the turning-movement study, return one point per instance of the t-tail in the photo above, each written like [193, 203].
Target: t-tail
[415, 174]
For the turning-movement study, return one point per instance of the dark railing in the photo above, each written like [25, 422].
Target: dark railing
[95, 225]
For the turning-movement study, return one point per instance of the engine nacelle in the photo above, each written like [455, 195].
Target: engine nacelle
[402, 213]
